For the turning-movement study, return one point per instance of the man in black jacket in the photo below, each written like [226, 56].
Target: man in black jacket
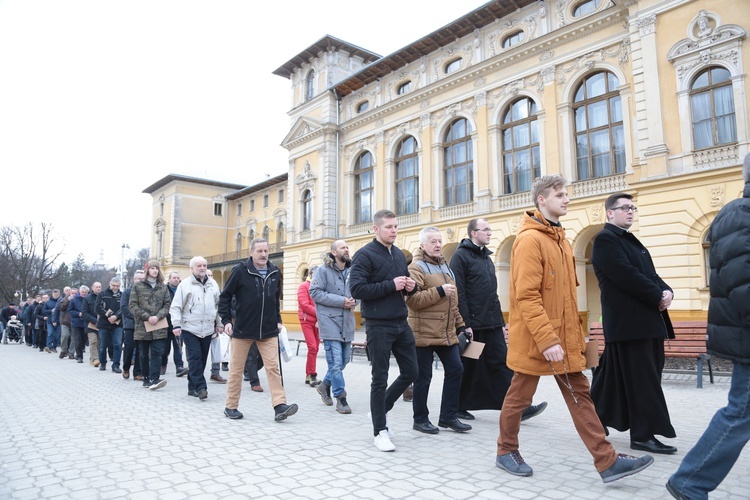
[380, 278]
[89, 322]
[708, 463]
[485, 380]
[109, 323]
[626, 388]
[256, 287]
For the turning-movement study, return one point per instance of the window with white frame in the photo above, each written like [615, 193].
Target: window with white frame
[407, 177]
[520, 140]
[712, 108]
[364, 188]
[306, 202]
[310, 85]
[458, 165]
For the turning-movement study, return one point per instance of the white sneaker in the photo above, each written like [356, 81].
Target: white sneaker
[383, 442]
[391, 434]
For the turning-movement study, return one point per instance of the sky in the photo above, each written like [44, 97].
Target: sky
[99, 99]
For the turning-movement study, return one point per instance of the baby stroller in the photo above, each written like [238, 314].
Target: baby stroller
[13, 331]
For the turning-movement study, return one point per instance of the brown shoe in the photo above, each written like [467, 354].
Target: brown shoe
[126, 374]
[138, 377]
[409, 393]
[218, 379]
[96, 362]
[256, 388]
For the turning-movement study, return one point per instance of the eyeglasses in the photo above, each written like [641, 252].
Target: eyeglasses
[626, 208]
[486, 230]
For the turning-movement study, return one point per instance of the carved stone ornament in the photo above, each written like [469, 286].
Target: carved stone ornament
[716, 195]
[596, 213]
[451, 234]
[306, 176]
[515, 224]
[646, 25]
[620, 52]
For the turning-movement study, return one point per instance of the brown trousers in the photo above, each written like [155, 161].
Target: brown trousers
[587, 423]
[269, 352]
[93, 345]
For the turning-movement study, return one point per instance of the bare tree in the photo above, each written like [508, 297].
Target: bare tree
[29, 256]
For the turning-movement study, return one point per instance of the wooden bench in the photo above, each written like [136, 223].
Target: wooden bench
[689, 342]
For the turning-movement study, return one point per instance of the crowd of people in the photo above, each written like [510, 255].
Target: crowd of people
[432, 308]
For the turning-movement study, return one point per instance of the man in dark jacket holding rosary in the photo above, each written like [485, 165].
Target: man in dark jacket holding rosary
[380, 278]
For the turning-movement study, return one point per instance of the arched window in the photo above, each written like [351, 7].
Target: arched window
[452, 66]
[712, 106]
[362, 106]
[600, 137]
[280, 235]
[363, 188]
[404, 88]
[306, 202]
[459, 163]
[512, 39]
[267, 235]
[250, 236]
[521, 160]
[407, 177]
[310, 85]
[586, 7]
[238, 242]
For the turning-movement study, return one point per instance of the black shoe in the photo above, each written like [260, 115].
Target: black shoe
[102, 367]
[283, 411]
[533, 411]
[193, 393]
[202, 394]
[454, 424]
[80, 360]
[653, 445]
[146, 383]
[464, 415]
[233, 414]
[224, 366]
[116, 369]
[425, 427]
[672, 489]
[246, 377]
[181, 372]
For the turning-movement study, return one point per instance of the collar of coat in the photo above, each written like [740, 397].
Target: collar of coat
[534, 220]
[420, 255]
[270, 266]
[619, 231]
[471, 246]
[330, 261]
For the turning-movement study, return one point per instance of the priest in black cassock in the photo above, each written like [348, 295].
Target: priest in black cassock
[626, 388]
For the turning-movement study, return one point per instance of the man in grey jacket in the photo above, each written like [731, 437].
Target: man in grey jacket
[195, 317]
[334, 307]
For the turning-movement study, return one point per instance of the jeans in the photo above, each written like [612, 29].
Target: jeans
[384, 337]
[453, 368]
[197, 354]
[78, 342]
[177, 357]
[131, 349]
[151, 355]
[338, 355]
[53, 335]
[708, 463]
[110, 339]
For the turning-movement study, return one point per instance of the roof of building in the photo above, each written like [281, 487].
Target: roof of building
[476, 19]
[323, 45]
[186, 178]
[258, 187]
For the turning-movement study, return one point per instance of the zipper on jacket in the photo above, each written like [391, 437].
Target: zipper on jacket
[263, 300]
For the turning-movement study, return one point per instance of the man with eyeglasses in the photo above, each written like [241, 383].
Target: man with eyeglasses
[485, 380]
[626, 388]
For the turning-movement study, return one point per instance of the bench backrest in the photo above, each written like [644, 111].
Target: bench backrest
[689, 341]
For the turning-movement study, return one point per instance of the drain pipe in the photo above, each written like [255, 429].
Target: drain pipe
[338, 132]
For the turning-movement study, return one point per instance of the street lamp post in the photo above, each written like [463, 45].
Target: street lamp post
[123, 271]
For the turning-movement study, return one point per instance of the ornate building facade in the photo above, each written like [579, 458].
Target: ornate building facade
[644, 96]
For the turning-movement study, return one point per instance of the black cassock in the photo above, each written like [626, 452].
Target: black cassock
[486, 380]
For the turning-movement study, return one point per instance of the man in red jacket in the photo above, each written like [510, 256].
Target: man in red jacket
[309, 322]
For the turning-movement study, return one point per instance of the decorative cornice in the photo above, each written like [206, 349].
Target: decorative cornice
[647, 25]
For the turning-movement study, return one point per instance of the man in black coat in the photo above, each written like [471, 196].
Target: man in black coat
[379, 277]
[485, 380]
[626, 388]
[708, 463]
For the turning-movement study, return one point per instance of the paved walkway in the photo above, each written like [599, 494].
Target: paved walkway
[71, 431]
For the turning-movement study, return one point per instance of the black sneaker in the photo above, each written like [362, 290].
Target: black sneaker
[225, 366]
[233, 414]
[193, 393]
[181, 371]
[626, 465]
[146, 383]
[283, 411]
[157, 384]
[202, 394]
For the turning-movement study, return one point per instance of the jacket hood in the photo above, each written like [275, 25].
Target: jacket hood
[467, 243]
[329, 261]
[420, 255]
[535, 221]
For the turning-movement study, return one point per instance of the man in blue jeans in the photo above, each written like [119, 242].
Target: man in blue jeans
[334, 308]
[380, 278]
[712, 457]
[109, 323]
[53, 325]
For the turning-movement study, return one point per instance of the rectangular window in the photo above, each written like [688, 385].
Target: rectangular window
[252, 205]
[239, 209]
[281, 196]
[218, 209]
[265, 201]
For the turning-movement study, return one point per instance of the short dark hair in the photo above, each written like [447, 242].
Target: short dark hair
[377, 219]
[611, 201]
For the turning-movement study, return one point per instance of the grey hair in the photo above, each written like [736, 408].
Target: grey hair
[425, 231]
[84, 288]
[197, 259]
[746, 168]
[139, 271]
[255, 242]
[115, 281]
